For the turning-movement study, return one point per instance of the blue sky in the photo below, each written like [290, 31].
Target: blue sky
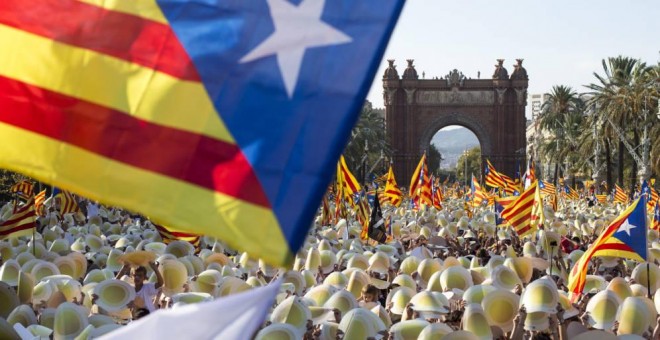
[562, 42]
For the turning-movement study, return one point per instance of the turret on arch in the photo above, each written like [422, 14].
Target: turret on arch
[493, 109]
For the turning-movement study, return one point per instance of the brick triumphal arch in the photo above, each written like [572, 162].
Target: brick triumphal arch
[493, 109]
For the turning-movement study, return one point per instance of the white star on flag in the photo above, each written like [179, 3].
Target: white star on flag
[626, 227]
[297, 28]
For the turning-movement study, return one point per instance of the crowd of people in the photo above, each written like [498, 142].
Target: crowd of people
[440, 275]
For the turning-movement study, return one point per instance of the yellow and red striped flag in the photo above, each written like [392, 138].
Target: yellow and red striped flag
[420, 184]
[547, 188]
[437, 197]
[68, 203]
[601, 198]
[570, 193]
[24, 189]
[168, 235]
[362, 211]
[39, 200]
[500, 204]
[21, 222]
[478, 196]
[345, 179]
[493, 178]
[519, 213]
[538, 215]
[326, 215]
[468, 210]
[624, 237]
[497, 179]
[392, 192]
[620, 195]
[193, 113]
[491, 197]
[553, 202]
[650, 205]
[655, 225]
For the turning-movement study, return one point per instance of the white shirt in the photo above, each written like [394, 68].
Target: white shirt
[147, 294]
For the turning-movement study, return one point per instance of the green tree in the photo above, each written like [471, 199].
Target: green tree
[367, 144]
[433, 159]
[559, 115]
[7, 179]
[473, 164]
[621, 94]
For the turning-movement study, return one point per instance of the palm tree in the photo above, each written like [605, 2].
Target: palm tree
[554, 114]
[620, 95]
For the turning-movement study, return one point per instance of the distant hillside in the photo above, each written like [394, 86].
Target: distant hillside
[452, 143]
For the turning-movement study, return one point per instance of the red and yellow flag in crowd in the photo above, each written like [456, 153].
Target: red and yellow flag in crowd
[437, 197]
[168, 235]
[519, 212]
[478, 195]
[655, 224]
[24, 189]
[547, 188]
[620, 195]
[326, 215]
[39, 200]
[21, 222]
[500, 204]
[653, 200]
[392, 192]
[538, 214]
[362, 212]
[569, 193]
[499, 180]
[350, 187]
[420, 184]
[68, 203]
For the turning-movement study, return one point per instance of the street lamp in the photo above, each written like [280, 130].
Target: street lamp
[465, 154]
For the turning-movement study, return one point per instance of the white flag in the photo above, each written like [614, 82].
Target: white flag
[232, 317]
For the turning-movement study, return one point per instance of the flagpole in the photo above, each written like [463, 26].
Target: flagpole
[471, 179]
[648, 278]
[34, 240]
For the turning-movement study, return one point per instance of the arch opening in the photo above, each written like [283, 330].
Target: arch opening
[454, 152]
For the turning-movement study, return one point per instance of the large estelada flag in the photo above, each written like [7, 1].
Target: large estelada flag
[624, 237]
[221, 118]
